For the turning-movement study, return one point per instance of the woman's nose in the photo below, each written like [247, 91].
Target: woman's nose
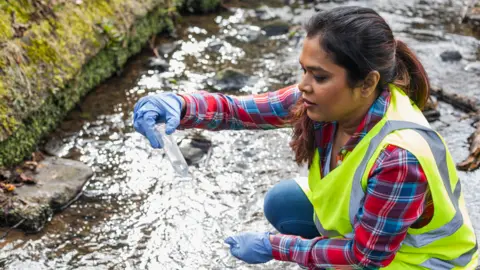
[304, 85]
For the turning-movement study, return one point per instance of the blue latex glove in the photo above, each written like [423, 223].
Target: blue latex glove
[161, 108]
[251, 247]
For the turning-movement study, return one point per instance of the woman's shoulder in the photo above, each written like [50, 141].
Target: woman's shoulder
[397, 164]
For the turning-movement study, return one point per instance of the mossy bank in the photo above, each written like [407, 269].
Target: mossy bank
[53, 52]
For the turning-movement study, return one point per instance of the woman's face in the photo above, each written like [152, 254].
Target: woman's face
[324, 86]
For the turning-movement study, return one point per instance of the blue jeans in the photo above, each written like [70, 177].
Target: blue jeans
[288, 209]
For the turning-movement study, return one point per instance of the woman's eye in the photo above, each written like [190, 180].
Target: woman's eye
[320, 78]
[303, 70]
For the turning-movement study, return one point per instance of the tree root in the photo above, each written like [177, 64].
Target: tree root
[473, 160]
[469, 105]
[464, 103]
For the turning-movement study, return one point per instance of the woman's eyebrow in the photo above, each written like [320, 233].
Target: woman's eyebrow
[315, 68]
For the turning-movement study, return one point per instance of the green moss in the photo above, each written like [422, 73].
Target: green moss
[54, 108]
[7, 121]
[6, 31]
[21, 8]
[66, 58]
[41, 51]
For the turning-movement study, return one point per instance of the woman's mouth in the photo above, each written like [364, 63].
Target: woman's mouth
[308, 103]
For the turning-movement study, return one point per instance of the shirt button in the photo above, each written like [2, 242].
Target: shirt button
[339, 163]
[343, 152]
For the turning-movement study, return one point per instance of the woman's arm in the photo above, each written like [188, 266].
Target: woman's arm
[393, 202]
[217, 111]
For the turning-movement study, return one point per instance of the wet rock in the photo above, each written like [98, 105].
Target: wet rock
[241, 166]
[214, 46]
[195, 148]
[476, 120]
[451, 55]
[249, 33]
[432, 115]
[264, 13]
[230, 79]
[167, 48]
[54, 147]
[473, 19]
[191, 154]
[472, 16]
[5, 174]
[158, 63]
[59, 181]
[249, 153]
[473, 67]
[426, 34]
[269, 56]
[276, 28]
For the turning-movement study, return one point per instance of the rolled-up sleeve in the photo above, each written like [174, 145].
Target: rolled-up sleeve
[216, 111]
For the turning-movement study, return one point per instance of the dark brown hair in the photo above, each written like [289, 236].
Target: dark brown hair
[359, 40]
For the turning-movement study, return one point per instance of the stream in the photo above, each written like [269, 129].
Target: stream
[134, 214]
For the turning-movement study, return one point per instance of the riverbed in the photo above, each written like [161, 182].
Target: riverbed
[135, 214]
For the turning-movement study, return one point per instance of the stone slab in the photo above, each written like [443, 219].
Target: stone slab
[59, 181]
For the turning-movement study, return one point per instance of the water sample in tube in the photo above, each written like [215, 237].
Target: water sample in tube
[173, 152]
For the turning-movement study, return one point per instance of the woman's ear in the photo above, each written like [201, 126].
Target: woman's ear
[370, 83]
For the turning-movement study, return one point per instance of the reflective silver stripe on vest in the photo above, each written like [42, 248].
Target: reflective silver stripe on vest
[463, 260]
[322, 230]
[446, 230]
[440, 154]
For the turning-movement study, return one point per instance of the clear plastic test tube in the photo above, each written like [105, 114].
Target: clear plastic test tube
[173, 152]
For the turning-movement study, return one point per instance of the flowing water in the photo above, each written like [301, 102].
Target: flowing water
[135, 214]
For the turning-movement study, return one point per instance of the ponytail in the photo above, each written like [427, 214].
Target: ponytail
[411, 75]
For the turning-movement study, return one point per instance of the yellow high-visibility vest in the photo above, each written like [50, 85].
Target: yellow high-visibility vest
[448, 241]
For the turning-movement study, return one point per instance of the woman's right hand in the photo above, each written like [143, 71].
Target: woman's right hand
[160, 108]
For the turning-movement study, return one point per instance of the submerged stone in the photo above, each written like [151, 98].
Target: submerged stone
[230, 79]
[158, 63]
[249, 33]
[54, 146]
[59, 181]
[432, 115]
[451, 55]
[195, 148]
[167, 48]
[214, 46]
[276, 28]
[264, 13]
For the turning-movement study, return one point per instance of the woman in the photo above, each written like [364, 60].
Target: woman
[382, 189]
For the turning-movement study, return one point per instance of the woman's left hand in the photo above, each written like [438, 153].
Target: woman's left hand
[251, 247]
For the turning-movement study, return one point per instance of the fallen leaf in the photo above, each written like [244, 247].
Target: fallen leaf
[31, 165]
[27, 179]
[7, 187]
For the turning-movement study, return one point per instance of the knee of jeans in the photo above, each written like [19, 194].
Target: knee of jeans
[275, 201]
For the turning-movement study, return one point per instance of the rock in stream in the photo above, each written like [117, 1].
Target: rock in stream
[58, 182]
